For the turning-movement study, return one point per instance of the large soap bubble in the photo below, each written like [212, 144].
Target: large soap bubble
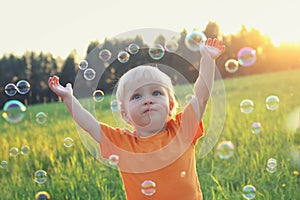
[14, 111]
[109, 71]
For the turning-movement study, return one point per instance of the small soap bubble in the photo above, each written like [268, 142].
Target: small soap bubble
[40, 176]
[231, 65]
[98, 95]
[148, 187]
[246, 106]
[271, 165]
[25, 150]
[11, 89]
[113, 159]
[114, 105]
[14, 151]
[188, 98]
[246, 56]
[194, 39]
[89, 74]
[225, 149]
[182, 174]
[83, 64]
[3, 164]
[104, 55]
[68, 142]
[133, 48]
[272, 102]
[41, 117]
[23, 86]
[156, 52]
[42, 195]
[256, 127]
[123, 56]
[171, 46]
[249, 192]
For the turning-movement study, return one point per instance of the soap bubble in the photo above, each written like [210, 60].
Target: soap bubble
[83, 64]
[105, 74]
[188, 98]
[246, 56]
[156, 52]
[68, 142]
[11, 89]
[148, 187]
[271, 165]
[123, 56]
[231, 65]
[182, 174]
[249, 192]
[225, 149]
[23, 87]
[194, 39]
[89, 74]
[104, 55]
[256, 127]
[40, 176]
[14, 151]
[42, 195]
[25, 150]
[113, 159]
[98, 95]
[114, 105]
[3, 164]
[13, 111]
[133, 48]
[272, 102]
[246, 106]
[41, 117]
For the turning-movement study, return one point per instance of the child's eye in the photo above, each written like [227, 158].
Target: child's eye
[136, 96]
[157, 93]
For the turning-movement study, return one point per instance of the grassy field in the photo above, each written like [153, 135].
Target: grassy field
[73, 173]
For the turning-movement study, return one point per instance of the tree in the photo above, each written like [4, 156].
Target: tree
[69, 69]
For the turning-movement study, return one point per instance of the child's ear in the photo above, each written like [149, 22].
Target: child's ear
[125, 116]
[171, 108]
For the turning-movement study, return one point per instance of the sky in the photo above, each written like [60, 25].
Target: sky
[59, 26]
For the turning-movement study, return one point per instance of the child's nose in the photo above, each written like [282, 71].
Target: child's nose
[148, 100]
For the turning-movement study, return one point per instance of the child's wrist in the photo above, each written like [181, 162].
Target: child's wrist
[66, 97]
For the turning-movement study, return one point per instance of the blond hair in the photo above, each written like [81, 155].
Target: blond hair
[143, 72]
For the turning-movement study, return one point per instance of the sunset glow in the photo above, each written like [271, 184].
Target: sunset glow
[61, 26]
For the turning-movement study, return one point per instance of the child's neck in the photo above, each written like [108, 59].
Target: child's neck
[148, 133]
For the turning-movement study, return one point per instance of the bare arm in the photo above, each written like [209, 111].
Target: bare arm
[204, 83]
[80, 115]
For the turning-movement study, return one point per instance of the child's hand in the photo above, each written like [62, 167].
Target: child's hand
[58, 89]
[212, 48]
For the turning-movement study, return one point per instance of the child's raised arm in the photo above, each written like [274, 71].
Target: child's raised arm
[204, 83]
[81, 116]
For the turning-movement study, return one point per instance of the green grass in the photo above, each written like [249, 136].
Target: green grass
[73, 173]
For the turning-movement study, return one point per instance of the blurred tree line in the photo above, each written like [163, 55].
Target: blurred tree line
[37, 67]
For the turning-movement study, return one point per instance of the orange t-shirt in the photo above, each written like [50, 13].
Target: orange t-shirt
[161, 166]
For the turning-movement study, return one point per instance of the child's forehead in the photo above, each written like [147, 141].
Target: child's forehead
[140, 86]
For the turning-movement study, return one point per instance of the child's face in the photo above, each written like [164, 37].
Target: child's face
[147, 107]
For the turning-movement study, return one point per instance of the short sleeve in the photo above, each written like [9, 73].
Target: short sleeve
[190, 124]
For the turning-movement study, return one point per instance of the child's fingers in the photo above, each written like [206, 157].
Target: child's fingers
[220, 44]
[208, 42]
[56, 79]
[223, 48]
[215, 41]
